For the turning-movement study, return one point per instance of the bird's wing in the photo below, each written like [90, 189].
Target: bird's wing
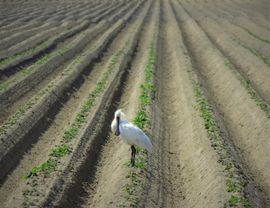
[137, 136]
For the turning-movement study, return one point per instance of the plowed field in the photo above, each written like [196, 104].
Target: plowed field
[194, 74]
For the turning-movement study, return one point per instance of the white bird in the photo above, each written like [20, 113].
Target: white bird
[130, 134]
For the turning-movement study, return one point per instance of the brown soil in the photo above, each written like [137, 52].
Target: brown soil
[110, 179]
[56, 67]
[189, 174]
[210, 43]
[244, 120]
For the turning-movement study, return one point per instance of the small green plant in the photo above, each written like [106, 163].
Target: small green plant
[234, 201]
[70, 133]
[141, 162]
[122, 205]
[143, 121]
[235, 183]
[80, 119]
[130, 189]
[46, 167]
[61, 150]
[22, 110]
[27, 194]
[24, 53]
[232, 185]
[253, 94]
[206, 112]
[28, 70]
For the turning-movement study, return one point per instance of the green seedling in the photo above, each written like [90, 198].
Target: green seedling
[24, 53]
[29, 70]
[233, 201]
[251, 91]
[234, 183]
[61, 150]
[143, 121]
[80, 119]
[46, 168]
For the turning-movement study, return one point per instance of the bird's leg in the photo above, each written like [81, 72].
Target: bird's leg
[133, 153]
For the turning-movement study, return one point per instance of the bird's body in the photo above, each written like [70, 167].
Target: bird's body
[130, 133]
[133, 135]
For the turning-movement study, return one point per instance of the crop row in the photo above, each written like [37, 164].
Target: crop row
[221, 82]
[29, 77]
[89, 136]
[28, 115]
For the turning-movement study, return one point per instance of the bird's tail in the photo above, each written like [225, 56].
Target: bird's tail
[149, 146]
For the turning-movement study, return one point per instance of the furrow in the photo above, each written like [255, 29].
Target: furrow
[237, 33]
[249, 11]
[36, 15]
[253, 70]
[34, 112]
[247, 24]
[29, 43]
[28, 57]
[16, 38]
[181, 176]
[242, 118]
[50, 64]
[86, 136]
[114, 154]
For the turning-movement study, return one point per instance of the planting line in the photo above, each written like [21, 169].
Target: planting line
[90, 127]
[184, 169]
[14, 62]
[250, 70]
[27, 44]
[254, 29]
[18, 49]
[15, 130]
[221, 84]
[24, 81]
[256, 17]
[28, 34]
[40, 17]
[25, 98]
[136, 177]
[86, 172]
[234, 31]
[64, 118]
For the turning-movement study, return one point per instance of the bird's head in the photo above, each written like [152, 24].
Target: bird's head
[119, 114]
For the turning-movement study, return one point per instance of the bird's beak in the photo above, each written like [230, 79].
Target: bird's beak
[117, 132]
